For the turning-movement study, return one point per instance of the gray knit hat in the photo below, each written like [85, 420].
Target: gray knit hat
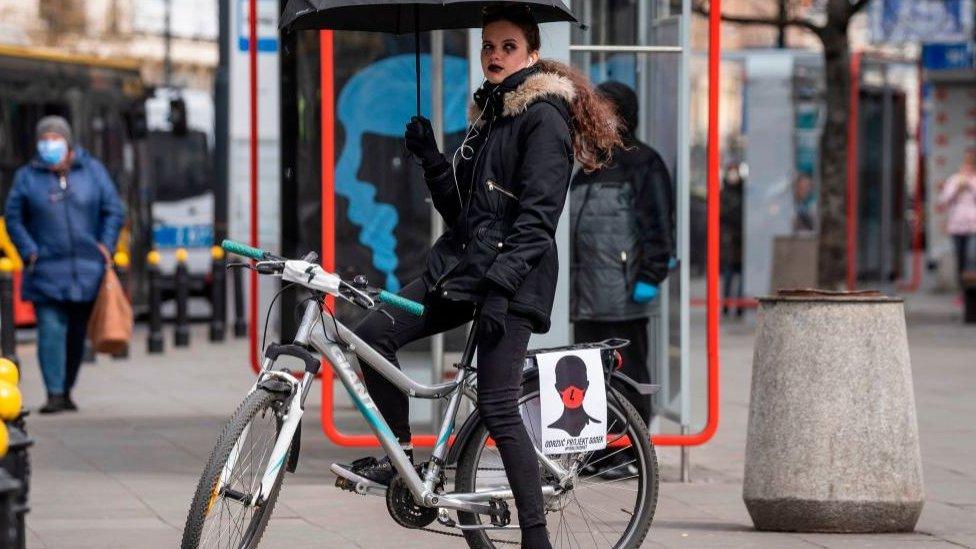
[54, 124]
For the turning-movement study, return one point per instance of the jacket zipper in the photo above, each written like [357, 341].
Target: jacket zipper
[492, 186]
[63, 182]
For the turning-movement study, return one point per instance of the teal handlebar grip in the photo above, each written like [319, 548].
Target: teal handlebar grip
[238, 248]
[412, 307]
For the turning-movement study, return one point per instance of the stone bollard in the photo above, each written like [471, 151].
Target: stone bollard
[833, 439]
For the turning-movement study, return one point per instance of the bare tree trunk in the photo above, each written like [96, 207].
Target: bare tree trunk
[832, 268]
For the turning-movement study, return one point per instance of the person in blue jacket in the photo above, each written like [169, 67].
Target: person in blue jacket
[64, 215]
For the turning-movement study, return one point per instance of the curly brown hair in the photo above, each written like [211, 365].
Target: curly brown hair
[596, 126]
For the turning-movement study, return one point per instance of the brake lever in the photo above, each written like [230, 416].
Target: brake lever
[230, 266]
[269, 267]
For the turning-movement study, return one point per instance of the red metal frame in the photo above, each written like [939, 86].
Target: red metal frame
[328, 247]
[712, 267]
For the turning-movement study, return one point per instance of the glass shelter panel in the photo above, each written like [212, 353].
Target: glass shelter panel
[654, 73]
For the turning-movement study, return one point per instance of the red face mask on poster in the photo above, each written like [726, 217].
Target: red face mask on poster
[572, 397]
[571, 385]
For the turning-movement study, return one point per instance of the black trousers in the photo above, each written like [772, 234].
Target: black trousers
[499, 385]
[634, 355]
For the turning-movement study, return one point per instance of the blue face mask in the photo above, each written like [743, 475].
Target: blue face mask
[52, 151]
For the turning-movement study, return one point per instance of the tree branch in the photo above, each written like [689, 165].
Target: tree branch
[700, 8]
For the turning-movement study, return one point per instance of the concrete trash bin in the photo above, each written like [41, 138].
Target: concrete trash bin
[833, 438]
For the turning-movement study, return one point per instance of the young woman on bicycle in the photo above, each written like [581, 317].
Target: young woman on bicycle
[501, 195]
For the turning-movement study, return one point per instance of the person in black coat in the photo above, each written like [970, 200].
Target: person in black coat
[622, 233]
[501, 195]
[731, 240]
[622, 230]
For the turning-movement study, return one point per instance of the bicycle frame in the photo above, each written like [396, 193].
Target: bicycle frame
[334, 341]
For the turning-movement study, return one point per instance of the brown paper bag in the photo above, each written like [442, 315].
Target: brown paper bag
[110, 324]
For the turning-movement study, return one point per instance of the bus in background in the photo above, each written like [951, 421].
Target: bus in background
[177, 168]
[103, 99]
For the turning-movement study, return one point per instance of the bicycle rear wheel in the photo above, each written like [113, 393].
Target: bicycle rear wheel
[221, 514]
[597, 512]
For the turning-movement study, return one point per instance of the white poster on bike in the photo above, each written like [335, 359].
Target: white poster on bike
[573, 401]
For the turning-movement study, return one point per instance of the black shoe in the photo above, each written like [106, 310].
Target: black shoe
[69, 404]
[380, 471]
[55, 404]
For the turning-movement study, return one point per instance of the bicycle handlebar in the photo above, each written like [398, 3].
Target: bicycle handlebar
[242, 249]
[400, 302]
[395, 300]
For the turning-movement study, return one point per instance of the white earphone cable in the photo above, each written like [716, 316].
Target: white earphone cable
[467, 151]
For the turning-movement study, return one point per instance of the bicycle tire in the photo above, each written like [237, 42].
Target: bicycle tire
[258, 401]
[465, 478]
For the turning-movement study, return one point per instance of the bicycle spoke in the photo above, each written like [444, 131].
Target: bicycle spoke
[589, 528]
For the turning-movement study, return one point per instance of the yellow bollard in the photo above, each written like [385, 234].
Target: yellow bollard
[4, 439]
[10, 401]
[152, 258]
[181, 255]
[216, 253]
[9, 371]
[121, 260]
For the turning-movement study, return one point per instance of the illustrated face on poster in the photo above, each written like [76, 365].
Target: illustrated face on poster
[574, 401]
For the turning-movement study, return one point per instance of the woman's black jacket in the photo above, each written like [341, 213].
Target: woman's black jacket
[504, 196]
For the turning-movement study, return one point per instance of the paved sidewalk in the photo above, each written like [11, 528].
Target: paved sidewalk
[121, 472]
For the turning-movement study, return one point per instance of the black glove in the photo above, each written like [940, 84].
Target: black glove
[421, 143]
[494, 309]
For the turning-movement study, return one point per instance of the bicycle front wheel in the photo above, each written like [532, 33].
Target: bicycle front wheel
[222, 513]
[613, 492]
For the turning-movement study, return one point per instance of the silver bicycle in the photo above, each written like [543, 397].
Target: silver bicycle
[236, 494]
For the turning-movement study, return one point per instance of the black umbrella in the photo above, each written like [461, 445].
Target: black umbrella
[405, 17]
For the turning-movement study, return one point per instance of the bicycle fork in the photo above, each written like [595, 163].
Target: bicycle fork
[277, 381]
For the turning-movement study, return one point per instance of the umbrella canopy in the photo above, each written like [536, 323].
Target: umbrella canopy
[396, 17]
[405, 17]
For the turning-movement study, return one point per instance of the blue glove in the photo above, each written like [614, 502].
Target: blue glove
[645, 292]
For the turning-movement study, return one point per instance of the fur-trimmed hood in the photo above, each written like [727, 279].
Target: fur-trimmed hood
[520, 90]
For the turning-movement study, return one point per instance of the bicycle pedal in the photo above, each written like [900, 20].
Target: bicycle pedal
[500, 514]
[345, 484]
[347, 480]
